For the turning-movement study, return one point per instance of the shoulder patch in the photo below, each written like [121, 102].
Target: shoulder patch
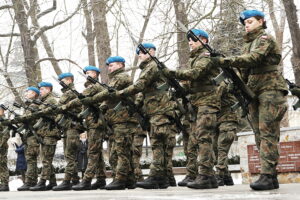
[264, 37]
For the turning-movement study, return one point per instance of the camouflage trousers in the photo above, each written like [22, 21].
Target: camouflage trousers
[71, 148]
[204, 130]
[47, 153]
[95, 139]
[265, 115]
[4, 173]
[191, 149]
[100, 171]
[122, 150]
[162, 138]
[222, 142]
[138, 141]
[32, 150]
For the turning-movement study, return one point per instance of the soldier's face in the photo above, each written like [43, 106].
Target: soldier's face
[30, 94]
[143, 57]
[67, 80]
[44, 91]
[194, 45]
[252, 23]
[114, 66]
[92, 74]
[1, 112]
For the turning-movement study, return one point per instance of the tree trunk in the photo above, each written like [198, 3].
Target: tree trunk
[27, 43]
[89, 36]
[182, 43]
[102, 36]
[291, 14]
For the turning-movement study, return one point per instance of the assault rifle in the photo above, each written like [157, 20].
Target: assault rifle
[141, 117]
[176, 88]
[241, 91]
[291, 86]
[90, 109]
[27, 125]
[9, 124]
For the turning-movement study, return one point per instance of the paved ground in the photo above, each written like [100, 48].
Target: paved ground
[241, 192]
[238, 191]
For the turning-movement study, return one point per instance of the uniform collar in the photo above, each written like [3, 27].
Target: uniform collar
[118, 71]
[145, 63]
[197, 51]
[249, 37]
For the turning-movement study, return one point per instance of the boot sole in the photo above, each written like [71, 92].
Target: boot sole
[261, 188]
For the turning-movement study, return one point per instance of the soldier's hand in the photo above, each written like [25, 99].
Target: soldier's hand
[87, 100]
[168, 73]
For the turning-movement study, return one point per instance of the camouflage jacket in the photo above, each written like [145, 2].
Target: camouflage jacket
[49, 129]
[3, 137]
[227, 100]
[199, 73]
[30, 139]
[119, 80]
[92, 120]
[260, 52]
[157, 103]
[66, 97]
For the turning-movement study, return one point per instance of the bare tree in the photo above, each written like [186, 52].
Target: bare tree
[292, 18]
[102, 36]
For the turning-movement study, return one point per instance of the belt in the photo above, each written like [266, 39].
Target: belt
[154, 93]
[205, 88]
[264, 69]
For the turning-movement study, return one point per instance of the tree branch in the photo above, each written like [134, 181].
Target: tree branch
[57, 60]
[6, 7]
[10, 34]
[45, 28]
[48, 10]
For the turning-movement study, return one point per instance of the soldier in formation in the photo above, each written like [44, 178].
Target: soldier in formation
[105, 113]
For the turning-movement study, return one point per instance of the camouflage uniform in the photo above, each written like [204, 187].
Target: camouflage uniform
[71, 136]
[138, 141]
[203, 97]
[124, 126]
[95, 135]
[50, 135]
[259, 63]
[32, 150]
[4, 172]
[227, 127]
[159, 107]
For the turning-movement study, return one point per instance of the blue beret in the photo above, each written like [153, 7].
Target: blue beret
[147, 46]
[250, 13]
[34, 89]
[199, 32]
[65, 75]
[45, 84]
[91, 68]
[115, 59]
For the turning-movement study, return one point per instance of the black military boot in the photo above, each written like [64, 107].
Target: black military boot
[4, 188]
[275, 181]
[220, 180]
[99, 184]
[51, 185]
[75, 182]
[116, 185]
[26, 186]
[265, 182]
[84, 185]
[172, 181]
[203, 182]
[228, 180]
[40, 186]
[186, 180]
[154, 182]
[65, 185]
